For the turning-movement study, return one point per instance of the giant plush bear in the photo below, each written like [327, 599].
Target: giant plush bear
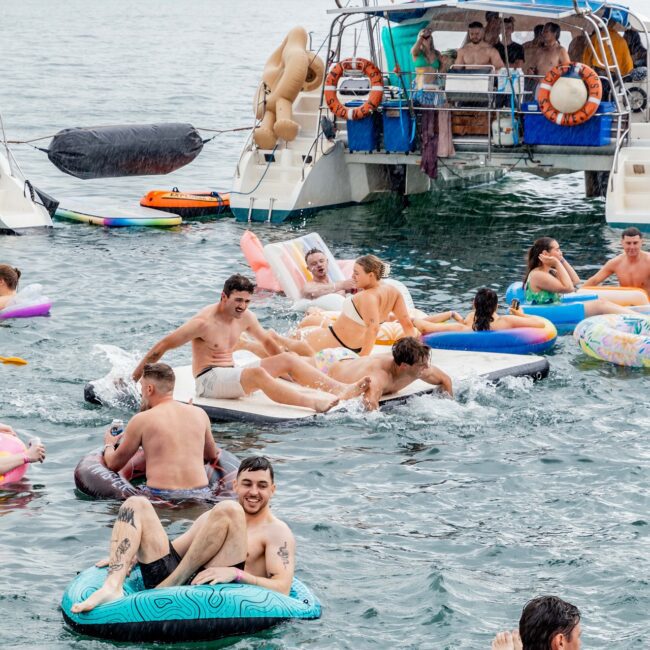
[290, 69]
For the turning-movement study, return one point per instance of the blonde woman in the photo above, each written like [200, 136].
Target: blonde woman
[358, 325]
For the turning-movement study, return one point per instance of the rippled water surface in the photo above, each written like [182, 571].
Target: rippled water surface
[426, 526]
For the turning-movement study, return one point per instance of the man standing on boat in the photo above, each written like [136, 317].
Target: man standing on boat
[214, 333]
[550, 53]
[476, 52]
[631, 268]
[176, 439]
[234, 542]
[318, 266]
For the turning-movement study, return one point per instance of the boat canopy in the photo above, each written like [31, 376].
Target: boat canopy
[453, 15]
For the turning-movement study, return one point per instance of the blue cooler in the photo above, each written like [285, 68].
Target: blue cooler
[399, 132]
[362, 134]
[595, 132]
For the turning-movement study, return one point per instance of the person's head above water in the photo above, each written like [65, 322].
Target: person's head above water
[367, 266]
[550, 623]
[157, 382]
[236, 295]
[411, 352]
[485, 304]
[541, 245]
[255, 484]
[632, 241]
[317, 263]
[9, 276]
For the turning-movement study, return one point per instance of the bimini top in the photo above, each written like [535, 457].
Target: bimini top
[550, 9]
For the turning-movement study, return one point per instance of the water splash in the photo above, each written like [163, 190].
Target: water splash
[117, 388]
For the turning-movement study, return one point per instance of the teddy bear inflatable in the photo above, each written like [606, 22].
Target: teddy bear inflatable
[290, 69]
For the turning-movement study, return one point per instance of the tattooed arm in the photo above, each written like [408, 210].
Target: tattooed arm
[280, 557]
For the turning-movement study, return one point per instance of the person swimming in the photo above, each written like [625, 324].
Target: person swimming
[9, 277]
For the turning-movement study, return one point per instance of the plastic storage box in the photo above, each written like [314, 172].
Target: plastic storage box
[399, 127]
[362, 134]
[595, 132]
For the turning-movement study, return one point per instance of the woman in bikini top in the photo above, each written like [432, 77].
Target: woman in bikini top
[358, 324]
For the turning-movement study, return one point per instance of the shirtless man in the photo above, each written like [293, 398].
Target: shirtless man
[317, 263]
[214, 333]
[234, 542]
[389, 374]
[631, 268]
[550, 53]
[176, 438]
[476, 52]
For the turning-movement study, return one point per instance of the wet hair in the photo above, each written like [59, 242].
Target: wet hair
[543, 618]
[555, 28]
[256, 464]
[475, 25]
[372, 264]
[10, 275]
[238, 282]
[410, 351]
[628, 232]
[160, 374]
[532, 261]
[485, 304]
[537, 30]
[312, 251]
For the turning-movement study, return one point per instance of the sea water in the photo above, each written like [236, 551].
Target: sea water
[427, 526]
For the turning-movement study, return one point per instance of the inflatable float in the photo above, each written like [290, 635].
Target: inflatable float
[183, 614]
[622, 339]
[459, 365]
[520, 340]
[27, 303]
[567, 313]
[94, 479]
[9, 446]
[100, 213]
[188, 205]
[281, 266]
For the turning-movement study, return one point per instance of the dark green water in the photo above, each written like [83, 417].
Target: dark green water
[428, 526]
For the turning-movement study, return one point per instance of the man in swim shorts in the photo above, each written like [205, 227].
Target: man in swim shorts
[318, 266]
[632, 267]
[234, 542]
[389, 373]
[176, 438]
[214, 333]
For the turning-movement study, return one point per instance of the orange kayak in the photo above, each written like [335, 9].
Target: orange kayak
[189, 205]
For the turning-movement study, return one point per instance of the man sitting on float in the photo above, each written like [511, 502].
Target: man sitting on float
[320, 285]
[631, 268]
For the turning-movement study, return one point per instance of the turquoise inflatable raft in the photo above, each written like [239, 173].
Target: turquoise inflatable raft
[182, 614]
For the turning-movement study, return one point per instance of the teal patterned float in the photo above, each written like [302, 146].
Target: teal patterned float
[618, 338]
[188, 613]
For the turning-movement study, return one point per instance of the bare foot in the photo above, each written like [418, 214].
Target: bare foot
[507, 641]
[348, 391]
[323, 404]
[105, 594]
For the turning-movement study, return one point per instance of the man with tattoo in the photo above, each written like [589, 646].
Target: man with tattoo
[215, 332]
[176, 439]
[233, 542]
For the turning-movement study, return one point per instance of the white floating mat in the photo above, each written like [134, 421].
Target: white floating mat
[459, 365]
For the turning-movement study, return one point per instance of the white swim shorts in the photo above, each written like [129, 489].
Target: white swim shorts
[222, 383]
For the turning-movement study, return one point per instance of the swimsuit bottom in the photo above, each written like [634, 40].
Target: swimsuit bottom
[153, 573]
[326, 358]
[331, 329]
[191, 494]
[220, 382]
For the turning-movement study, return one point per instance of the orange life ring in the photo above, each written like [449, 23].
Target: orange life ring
[594, 90]
[376, 89]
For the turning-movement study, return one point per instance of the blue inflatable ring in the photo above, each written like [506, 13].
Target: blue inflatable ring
[520, 340]
[183, 614]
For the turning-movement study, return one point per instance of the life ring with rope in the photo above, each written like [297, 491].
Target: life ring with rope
[376, 88]
[594, 95]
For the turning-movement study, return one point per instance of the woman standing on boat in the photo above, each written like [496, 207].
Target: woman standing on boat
[549, 275]
[358, 325]
[435, 132]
